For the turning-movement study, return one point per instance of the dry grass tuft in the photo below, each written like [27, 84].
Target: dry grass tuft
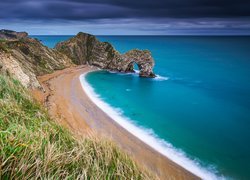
[34, 147]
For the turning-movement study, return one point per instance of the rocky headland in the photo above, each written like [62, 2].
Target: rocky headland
[25, 58]
[12, 35]
[87, 49]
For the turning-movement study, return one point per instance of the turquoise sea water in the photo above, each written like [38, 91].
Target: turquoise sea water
[201, 103]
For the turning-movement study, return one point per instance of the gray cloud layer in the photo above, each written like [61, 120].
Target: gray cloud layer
[142, 15]
[95, 9]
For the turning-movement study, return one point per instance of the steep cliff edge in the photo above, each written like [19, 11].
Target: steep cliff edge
[25, 58]
[87, 49]
[12, 35]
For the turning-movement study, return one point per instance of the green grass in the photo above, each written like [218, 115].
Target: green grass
[34, 147]
[3, 46]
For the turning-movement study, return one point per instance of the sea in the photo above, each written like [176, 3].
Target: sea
[196, 111]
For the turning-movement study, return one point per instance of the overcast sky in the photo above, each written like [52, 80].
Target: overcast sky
[126, 17]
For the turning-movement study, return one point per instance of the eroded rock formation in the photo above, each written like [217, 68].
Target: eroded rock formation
[87, 49]
[25, 58]
[12, 35]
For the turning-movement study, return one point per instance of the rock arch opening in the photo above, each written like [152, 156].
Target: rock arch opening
[133, 67]
[136, 67]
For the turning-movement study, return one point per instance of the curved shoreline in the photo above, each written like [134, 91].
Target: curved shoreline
[71, 106]
[145, 135]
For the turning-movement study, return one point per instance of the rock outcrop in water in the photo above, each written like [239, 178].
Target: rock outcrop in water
[87, 49]
[25, 58]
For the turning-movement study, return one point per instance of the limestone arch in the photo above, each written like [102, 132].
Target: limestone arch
[132, 66]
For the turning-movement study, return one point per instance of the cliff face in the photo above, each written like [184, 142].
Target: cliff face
[25, 58]
[87, 49]
[12, 35]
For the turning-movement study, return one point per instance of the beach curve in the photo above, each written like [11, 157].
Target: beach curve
[68, 102]
[147, 135]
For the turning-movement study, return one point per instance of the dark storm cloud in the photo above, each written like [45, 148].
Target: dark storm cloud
[57, 10]
[98, 9]
[140, 17]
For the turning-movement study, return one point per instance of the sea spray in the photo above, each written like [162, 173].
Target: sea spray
[136, 73]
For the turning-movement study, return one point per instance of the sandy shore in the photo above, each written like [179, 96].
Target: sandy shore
[71, 107]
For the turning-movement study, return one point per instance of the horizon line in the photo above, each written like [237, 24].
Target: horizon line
[144, 35]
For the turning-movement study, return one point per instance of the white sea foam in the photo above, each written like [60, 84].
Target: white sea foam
[157, 78]
[160, 78]
[148, 136]
[136, 73]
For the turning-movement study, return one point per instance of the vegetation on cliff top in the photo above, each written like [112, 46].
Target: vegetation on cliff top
[33, 146]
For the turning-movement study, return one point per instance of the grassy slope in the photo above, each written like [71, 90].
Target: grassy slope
[33, 146]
